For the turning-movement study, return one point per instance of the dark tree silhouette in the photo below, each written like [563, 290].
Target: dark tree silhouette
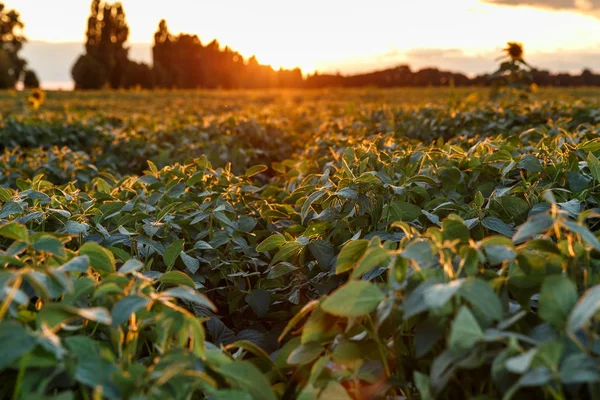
[184, 62]
[12, 67]
[106, 58]
[30, 80]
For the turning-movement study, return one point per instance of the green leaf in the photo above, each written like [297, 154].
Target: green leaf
[334, 391]
[373, 257]
[436, 296]
[255, 170]
[420, 252]
[172, 252]
[271, 243]
[351, 253]
[422, 383]
[288, 251]
[558, 296]
[123, 309]
[579, 368]
[402, 211]
[10, 208]
[244, 375]
[131, 265]
[309, 201]
[530, 163]
[192, 264]
[14, 231]
[498, 226]
[259, 301]
[354, 299]
[586, 308]
[191, 295]
[16, 341]
[280, 269]
[465, 331]
[5, 195]
[176, 278]
[520, 364]
[594, 166]
[231, 394]
[482, 297]
[49, 244]
[77, 264]
[584, 232]
[101, 259]
[53, 314]
[305, 353]
[537, 224]
[323, 251]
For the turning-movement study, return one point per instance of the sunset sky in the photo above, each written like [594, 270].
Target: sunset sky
[332, 35]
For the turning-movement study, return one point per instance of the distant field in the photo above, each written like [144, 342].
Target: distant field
[335, 244]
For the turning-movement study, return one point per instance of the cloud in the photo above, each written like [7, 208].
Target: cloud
[576, 5]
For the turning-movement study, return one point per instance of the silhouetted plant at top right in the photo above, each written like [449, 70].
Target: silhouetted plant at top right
[514, 76]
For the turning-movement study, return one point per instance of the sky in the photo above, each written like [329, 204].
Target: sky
[335, 35]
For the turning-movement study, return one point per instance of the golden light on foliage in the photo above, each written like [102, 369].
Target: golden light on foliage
[36, 99]
[514, 50]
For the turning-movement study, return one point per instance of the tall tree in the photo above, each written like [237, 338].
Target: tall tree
[106, 59]
[12, 67]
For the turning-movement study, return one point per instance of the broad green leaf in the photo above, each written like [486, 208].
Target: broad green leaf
[521, 363]
[351, 253]
[557, 298]
[49, 244]
[176, 278]
[123, 309]
[172, 252]
[537, 224]
[354, 299]
[77, 264]
[255, 170]
[482, 297]
[309, 201]
[287, 252]
[498, 226]
[323, 251]
[192, 264]
[16, 341]
[584, 232]
[191, 295]
[436, 296]
[373, 257]
[14, 231]
[422, 383]
[584, 310]
[131, 265]
[579, 368]
[465, 331]
[101, 259]
[280, 270]
[305, 353]
[403, 211]
[594, 166]
[271, 243]
[530, 163]
[244, 375]
[258, 300]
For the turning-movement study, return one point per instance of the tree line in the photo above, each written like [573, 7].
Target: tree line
[183, 61]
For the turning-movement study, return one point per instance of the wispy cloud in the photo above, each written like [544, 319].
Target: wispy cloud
[575, 5]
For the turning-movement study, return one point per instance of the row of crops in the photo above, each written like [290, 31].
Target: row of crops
[345, 245]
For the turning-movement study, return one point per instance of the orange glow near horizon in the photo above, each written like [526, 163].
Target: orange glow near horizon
[330, 35]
